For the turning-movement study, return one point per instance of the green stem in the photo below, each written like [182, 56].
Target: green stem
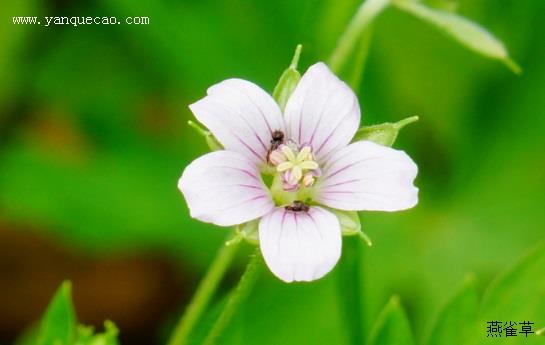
[237, 297]
[351, 282]
[350, 37]
[361, 54]
[351, 289]
[204, 293]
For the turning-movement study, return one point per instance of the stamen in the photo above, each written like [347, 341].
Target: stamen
[308, 165]
[288, 152]
[276, 157]
[308, 180]
[303, 154]
[297, 166]
[284, 166]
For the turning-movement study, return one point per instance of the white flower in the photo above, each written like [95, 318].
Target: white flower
[310, 164]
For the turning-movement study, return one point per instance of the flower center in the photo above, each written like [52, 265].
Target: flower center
[296, 166]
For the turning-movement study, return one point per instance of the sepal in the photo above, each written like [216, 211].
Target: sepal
[384, 134]
[288, 81]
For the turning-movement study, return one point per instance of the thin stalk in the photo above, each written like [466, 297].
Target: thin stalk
[237, 297]
[350, 37]
[361, 54]
[351, 289]
[355, 39]
[206, 289]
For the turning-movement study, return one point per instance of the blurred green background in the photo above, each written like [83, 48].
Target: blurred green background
[93, 138]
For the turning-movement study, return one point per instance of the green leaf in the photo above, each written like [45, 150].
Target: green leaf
[58, 325]
[517, 295]
[211, 140]
[288, 80]
[108, 337]
[454, 324]
[392, 326]
[462, 30]
[385, 133]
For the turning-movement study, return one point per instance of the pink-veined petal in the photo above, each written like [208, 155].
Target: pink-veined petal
[224, 188]
[300, 246]
[322, 112]
[368, 176]
[242, 117]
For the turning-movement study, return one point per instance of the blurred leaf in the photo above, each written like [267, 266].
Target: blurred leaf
[28, 337]
[445, 5]
[517, 295]
[288, 80]
[454, 322]
[392, 326]
[385, 133]
[85, 335]
[58, 324]
[462, 30]
[14, 39]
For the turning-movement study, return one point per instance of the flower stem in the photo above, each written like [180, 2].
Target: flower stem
[237, 297]
[206, 289]
[350, 37]
[351, 289]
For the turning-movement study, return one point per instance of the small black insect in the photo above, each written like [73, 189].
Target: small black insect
[297, 206]
[276, 141]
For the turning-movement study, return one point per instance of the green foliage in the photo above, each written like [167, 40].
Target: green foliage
[463, 320]
[58, 325]
[517, 295]
[454, 324]
[462, 30]
[85, 335]
[392, 326]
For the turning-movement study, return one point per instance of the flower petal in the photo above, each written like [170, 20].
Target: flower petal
[300, 246]
[224, 188]
[368, 176]
[242, 117]
[322, 112]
